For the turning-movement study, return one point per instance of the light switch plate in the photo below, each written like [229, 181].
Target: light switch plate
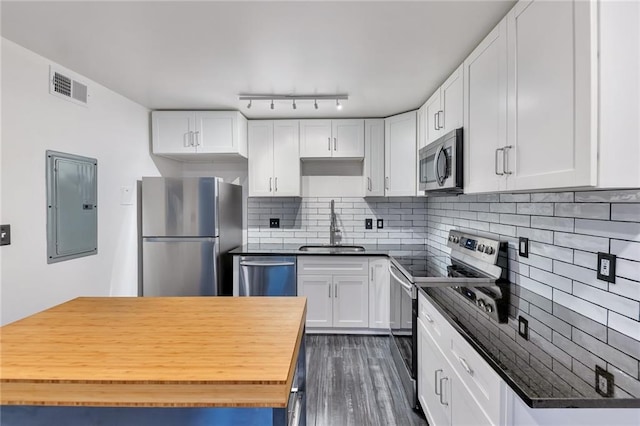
[126, 195]
[604, 382]
[368, 224]
[274, 223]
[607, 267]
[523, 327]
[380, 224]
[523, 247]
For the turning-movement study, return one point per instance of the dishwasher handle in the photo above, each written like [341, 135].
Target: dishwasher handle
[265, 263]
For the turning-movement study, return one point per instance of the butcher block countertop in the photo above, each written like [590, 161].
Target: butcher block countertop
[154, 352]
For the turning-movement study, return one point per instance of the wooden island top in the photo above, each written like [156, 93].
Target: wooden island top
[154, 352]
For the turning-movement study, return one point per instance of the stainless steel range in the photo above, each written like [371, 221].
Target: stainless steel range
[470, 268]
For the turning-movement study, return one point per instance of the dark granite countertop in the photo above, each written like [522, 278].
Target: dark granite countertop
[530, 369]
[294, 250]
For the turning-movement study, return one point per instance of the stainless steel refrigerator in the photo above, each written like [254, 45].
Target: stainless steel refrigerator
[188, 226]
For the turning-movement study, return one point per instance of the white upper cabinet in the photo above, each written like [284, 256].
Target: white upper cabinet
[332, 139]
[421, 130]
[274, 161]
[444, 109]
[199, 135]
[315, 138]
[485, 113]
[173, 132]
[551, 141]
[374, 158]
[452, 101]
[432, 116]
[400, 152]
[547, 99]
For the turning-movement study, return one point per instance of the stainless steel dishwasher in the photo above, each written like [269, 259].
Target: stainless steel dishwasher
[265, 276]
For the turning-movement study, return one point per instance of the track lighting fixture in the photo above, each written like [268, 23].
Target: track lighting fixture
[294, 99]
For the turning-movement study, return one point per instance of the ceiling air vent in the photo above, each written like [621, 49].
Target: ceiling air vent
[63, 86]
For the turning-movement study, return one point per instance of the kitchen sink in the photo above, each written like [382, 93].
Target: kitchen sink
[332, 249]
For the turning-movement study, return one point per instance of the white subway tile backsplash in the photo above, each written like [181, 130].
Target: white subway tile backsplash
[550, 197]
[539, 209]
[628, 269]
[624, 325]
[541, 235]
[626, 249]
[583, 242]
[511, 198]
[621, 196]
[553, 223]
[625, 212]
[551, 279]
[585, 259]
[551, 251]
[626, 288]
[609, 229]
[502, 207]
[581, 306]
[515, 219]
[622, 305]
[583, 210]
[578, 273]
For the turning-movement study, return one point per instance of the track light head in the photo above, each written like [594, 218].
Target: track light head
[338, 105]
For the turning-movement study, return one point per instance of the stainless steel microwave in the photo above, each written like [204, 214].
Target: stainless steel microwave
[440, 165]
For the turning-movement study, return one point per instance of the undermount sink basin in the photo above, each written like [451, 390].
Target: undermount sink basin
[332, 249]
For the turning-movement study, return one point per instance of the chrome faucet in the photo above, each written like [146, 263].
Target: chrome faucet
[333, 227]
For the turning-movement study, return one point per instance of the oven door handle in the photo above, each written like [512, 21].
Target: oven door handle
[407, 287]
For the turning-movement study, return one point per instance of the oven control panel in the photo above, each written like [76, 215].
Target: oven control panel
[479, 247]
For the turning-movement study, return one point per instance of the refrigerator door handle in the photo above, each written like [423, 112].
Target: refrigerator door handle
[178, 239]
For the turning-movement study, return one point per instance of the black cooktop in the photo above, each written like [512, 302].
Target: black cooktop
[436, 264]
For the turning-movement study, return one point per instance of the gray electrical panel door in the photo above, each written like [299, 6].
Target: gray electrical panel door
[72, 206]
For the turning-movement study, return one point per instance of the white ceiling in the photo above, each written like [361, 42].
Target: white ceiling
[387, 56]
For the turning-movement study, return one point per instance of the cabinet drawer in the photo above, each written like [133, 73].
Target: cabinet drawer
[477, 375]
[435, 324]
[339, 265]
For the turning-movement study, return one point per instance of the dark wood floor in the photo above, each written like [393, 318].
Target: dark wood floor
[351, 380]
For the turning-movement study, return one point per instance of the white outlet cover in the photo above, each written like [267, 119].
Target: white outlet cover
[604, 267]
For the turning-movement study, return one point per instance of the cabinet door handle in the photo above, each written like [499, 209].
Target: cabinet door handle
[329, 143]
[186, 139]
[335, 293]
[197, 138]
[505, 158]
[436, 381]
[435, 121]
[276, 180]
[428, 317]
[329, 291]
[270, 188]
[386, 182]
[465, 365]
[373, 274]
[496, 161]
[335, 144]
[441, 391]
[440, 125]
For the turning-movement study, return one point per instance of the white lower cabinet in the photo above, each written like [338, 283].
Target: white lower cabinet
[455, 386]
[337, 291]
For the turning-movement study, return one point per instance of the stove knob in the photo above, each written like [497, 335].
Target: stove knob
[488, 308]
[456, 239]
[481, 248]
[451, 238]
[481, 304]
[489, 250]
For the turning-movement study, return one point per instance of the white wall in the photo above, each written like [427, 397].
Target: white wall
[112, 129]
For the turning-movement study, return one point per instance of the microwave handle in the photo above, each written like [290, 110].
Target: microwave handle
[439, 179]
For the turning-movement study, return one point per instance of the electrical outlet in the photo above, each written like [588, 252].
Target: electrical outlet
[523, 327]
[523, 247]
[607, 267]
[274, 223]
[380, 224]
[368, 224]
[604, 382]
[5, 235]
